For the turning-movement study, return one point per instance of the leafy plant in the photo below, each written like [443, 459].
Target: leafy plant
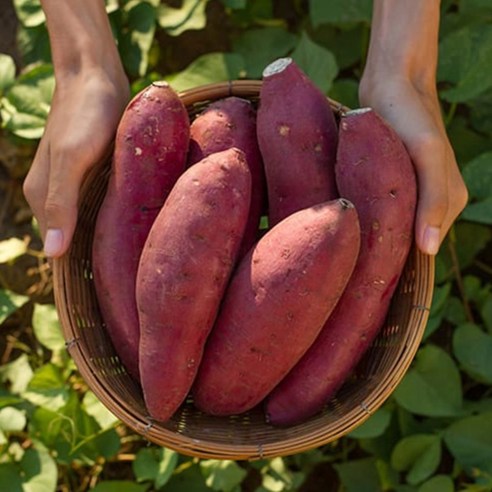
[434, 434]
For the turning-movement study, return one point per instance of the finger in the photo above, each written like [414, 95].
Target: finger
[429, 158]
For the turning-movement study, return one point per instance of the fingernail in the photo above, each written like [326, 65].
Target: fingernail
[53, 242]
[431, 241]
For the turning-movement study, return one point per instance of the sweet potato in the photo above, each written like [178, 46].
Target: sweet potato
[375, 172]
[225, 123]
[184, 268]
[150, 150]
[297, 135]
[279, 298]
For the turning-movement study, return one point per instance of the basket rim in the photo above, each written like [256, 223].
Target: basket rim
[187, 445]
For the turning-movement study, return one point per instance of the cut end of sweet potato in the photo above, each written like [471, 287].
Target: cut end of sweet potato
[357, 111]
[345, 204]
[277, 66]
[160, 83]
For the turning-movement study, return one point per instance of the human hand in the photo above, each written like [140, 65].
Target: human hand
[415, 115]
[85, 112]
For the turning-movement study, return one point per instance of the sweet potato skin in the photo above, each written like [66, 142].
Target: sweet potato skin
[297, 135]
[225, 123]
[374, 171]
[184, 268]
[150, 150]
[275, 305]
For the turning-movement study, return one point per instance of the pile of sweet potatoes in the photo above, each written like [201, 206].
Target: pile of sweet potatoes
[248, 256]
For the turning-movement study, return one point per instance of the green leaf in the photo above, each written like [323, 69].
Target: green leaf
[339, 11]
[155, 464]
[7, 72]
[212, 67]
[47, 327]
[432, 387]
[12, 419]
[276, 42]
[235, 4]
[359, 475]
[188, 479]
[191, 15]
[29, 12]
[473, 349]
[419, 455]
[486, 313]
[93, 406]
[47, 388]
[463, 55]
[438, 483]
[9, 303]
[222, 475]
[18, 373]
[119, 486]
[12, 248]
[40, 471]
[480, 212]
[10, 477]
[477, 175]
[471, 6]
[374, 426]
[470, 441]
[317, 62]
[346, 92]
[137, 39]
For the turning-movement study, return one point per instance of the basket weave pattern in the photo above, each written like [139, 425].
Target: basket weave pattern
[247, 436]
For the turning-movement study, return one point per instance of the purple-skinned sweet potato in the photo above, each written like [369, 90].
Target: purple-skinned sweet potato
[150, 151]
[225, 123]
[277, 301]
[297, 135]
[375, 172]
[185, 265]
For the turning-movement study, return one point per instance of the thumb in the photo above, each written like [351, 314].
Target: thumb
[61, 212]
[432, 206]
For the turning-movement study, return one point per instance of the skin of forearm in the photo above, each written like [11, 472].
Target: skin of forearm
[80, 36]
[404, 40]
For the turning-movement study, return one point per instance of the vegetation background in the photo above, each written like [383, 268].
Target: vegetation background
[434, 434]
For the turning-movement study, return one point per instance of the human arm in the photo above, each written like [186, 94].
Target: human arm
[91, 91]
[399, 81]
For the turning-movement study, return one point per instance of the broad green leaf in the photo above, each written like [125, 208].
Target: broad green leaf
[212, 67]
[470, 441]
[155, 464]
[418, 455]
[34, 45]
[9, 303]
[235, 4]
[188, 479]
[275, 42]
[40, 471]
[359, 475]
[454, 311]
[473, 349]
[432, 387]
[10, 477]
[463, 55]
[222, 475]
[191, 15]
[471, 6]
[29, 12]
[12, 419]
[481, 113]
[47, 326]
[17, 374]
[119, 486]
[477, 175]
[138, 37]
[374, 426]
[7, 72]
[480, 212]
[468, 136]
[346, 92]
[486, 313]
[339, 11]
[93, 406]
[438, 483]
[12, 248]
[317, 62]
[48, 388]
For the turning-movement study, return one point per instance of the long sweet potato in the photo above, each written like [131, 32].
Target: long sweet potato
[150, 150]
[297, 134]
[184, 268]
[374, 171]
[225, 123]
[279, 298]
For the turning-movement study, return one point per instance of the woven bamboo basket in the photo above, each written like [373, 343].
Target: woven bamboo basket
[246, 436]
